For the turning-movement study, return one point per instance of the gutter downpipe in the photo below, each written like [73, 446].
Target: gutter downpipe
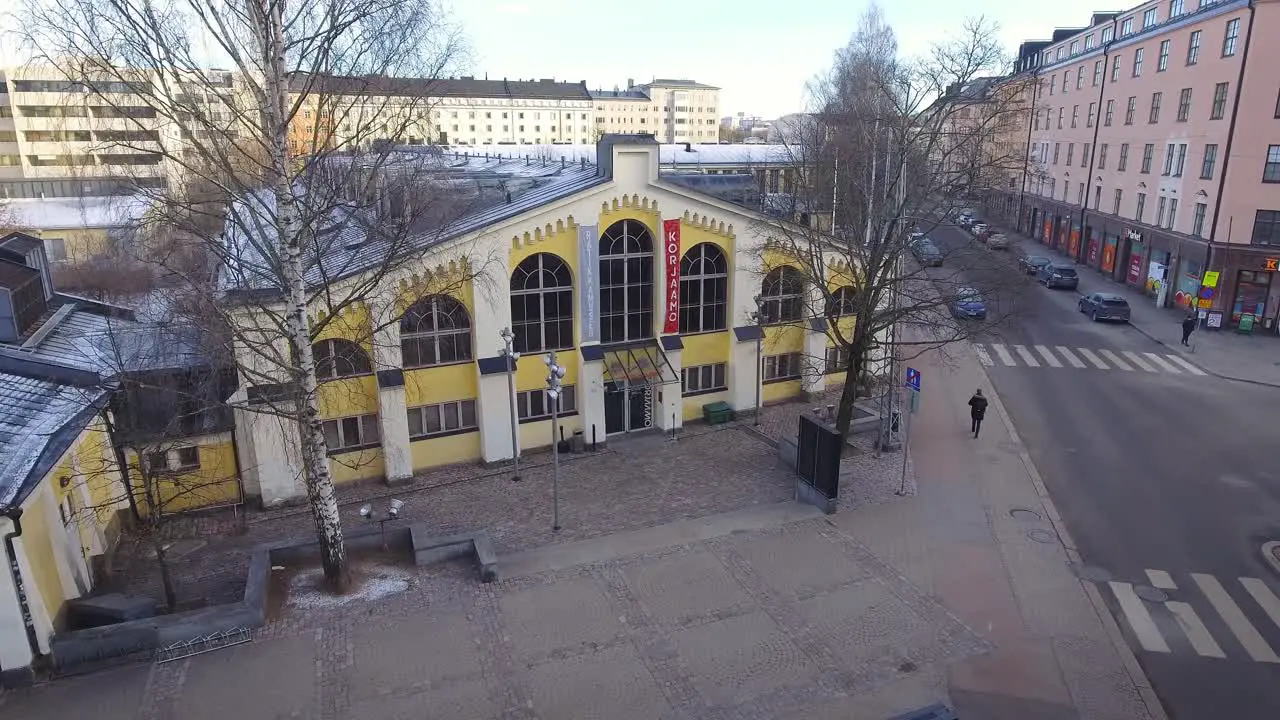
[1226, 159]
[1083, 251]
[11, 555]
[1026, 157]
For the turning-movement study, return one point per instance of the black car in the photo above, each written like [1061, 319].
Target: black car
[1031, 264]
[927, 253]
[1053, 275]
[1104, 306]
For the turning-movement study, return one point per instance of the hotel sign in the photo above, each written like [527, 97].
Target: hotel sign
[671, 251]
[589, 282]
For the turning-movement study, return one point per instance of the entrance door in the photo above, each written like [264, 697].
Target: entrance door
[615, 408]
[639, 408]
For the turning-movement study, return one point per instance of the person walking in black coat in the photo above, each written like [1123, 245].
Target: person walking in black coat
[1188, 325]
[977, 410]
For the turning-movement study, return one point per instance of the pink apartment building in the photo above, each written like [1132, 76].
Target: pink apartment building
[1154, 152]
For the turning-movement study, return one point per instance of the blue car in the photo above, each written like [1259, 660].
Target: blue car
[969, 304]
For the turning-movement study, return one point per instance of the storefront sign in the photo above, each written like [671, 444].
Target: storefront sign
[1211, 278]
[1135, 269]
[1133, 235]
[1271, 264]
[671, 250]
[589, 282]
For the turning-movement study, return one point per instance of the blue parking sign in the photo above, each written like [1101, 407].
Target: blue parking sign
[913, 378]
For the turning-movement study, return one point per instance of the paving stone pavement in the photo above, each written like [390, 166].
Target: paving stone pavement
[773, 623]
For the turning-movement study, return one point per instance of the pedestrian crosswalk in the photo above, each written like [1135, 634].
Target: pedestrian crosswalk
[1063, 357]
[1202, 616]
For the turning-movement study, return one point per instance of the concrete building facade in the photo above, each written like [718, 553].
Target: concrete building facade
[673, 111]
[1153, 153]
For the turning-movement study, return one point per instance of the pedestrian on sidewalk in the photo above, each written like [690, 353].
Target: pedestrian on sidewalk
[1188, 325]
[977, 410]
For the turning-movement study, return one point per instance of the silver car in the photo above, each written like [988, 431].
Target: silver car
[997, 241]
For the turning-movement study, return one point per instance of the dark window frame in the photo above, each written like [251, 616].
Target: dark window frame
[432, 328]
[704, 289]
[542, 304]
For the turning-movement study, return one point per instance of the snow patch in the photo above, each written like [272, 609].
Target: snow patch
[306, 589]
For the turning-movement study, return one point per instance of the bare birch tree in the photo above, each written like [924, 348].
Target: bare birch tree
[894, 145]
[276, 165]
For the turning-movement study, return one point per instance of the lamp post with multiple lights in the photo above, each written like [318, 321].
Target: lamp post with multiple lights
[555, 374]
[511, 357]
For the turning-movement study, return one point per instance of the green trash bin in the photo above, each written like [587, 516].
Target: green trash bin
[717, 413]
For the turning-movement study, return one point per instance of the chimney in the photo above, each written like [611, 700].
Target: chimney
[631, 83]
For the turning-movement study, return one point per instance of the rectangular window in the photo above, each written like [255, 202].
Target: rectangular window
[1084, 156]
[1115, 68]
[1175, 8]
[1160, 203]
[1266, 228]
[1181, 163]
[1210, 157]
[1130, 109]
[1075, 48]
[1193, 48]
[1079, 77]
[1088, 120]
[1124, 157]
[1115, 205]
[1154, 116]
[1097, 72]
[1088, 43]
[1219, 108]
[1162, 62]
[1108, 34]
[534, 405]
[1184, 104]
[1126, 27]
[1075, 115]
[1102, 156]
[1171, 219]
[1111, 113]
[1149, 18]
[351, 433]
[158, 461]
[1061, 110]
[1197, 220]
[447, 418]
[837, 359]
[1168, 159]
[1271, 170]
[701, 379]
[1080, 194]
[1229, 38]
[1141, 209]
[1053, 84]
[1071, 152]
[188, 458]
[1137, 62]
[1057, 147]
[787, 366]
[1148, 154]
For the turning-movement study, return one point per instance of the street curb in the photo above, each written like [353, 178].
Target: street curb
[1136, 674]
[1202, 366]
[1269, 554]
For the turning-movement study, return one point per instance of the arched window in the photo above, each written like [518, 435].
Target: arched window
[338, 358]
[842, 302]
[704, 289]
[626, 282]
[435, 331]
[542, 304]
[782, 296]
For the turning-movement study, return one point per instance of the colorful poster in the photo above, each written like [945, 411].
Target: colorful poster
[1135, 269]
[1093, 252]
[1109, 256]
[1073, 247]
[589, 282]
[671, 251]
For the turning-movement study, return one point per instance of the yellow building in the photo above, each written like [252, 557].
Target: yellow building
[643, 288]
[79, 229]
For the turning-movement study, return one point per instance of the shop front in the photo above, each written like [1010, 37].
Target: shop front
[1073, 241]
[1094, 246]
[1157, 272]
[1134, 252]
[1107, 264]
[1250, 301]
[1187, 287]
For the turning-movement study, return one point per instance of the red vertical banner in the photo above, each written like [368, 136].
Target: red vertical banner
[671, 251]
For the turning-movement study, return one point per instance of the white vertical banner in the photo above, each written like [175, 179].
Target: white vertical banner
[589, 282]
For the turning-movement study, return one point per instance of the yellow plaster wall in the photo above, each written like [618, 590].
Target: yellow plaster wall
[774, 392]
[213, 484]
[633, 207]
[428, 386]
[37, 543]
[348, 396]
[82, 243]
[433, 452]
[357, 465]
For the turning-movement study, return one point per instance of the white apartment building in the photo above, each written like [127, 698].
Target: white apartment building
[674, 111]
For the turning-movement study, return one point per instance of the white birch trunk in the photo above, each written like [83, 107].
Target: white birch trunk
[315, 461]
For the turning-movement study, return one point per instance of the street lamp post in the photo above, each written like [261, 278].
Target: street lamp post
[555, 374]
[758, 318]
[511, 358]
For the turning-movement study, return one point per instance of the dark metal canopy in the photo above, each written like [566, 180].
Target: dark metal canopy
[639, 365]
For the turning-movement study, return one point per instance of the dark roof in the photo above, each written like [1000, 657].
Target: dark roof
[19, 243]
[547, 89]
[668, 82]
[13, 275]
[634, 93]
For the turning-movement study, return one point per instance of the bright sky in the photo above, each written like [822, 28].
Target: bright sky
[761, 58]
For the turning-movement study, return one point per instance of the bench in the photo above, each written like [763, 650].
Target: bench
[717, 413]
[428, 550]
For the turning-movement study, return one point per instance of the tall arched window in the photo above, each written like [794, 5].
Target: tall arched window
[704, 289]
[782, 296]
[542, 304]
[843, 301]
[337, 358]
[435, 331]
[626, 282]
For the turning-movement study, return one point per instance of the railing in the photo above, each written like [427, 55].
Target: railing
[200, 645]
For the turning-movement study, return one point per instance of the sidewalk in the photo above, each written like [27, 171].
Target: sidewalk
[983, 538]
[1224, 353]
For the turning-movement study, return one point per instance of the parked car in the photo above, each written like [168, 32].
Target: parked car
[997, 241]
[927, 253]
[1031, 264]
[968, 303]
[1053, 275]
[1105, 306]
[978, 228]
[965, 221]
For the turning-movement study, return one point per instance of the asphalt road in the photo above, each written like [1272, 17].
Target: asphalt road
[1158, 470]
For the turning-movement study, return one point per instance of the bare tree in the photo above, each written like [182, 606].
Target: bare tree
[286, 174]
[894, 146]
